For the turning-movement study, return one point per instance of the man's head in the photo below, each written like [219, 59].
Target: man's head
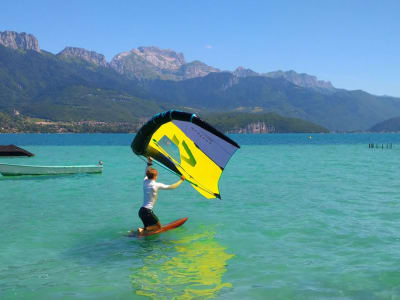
[151, 173]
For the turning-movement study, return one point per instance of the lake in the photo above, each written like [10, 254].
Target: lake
[301, 217]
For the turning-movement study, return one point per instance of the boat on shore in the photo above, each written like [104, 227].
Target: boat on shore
[17, 170]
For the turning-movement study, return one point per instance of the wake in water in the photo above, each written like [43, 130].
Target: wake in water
[192, 267]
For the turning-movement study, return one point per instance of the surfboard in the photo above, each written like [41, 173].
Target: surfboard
[167, 227]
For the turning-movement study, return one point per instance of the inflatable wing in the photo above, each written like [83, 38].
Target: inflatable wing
[188, 146]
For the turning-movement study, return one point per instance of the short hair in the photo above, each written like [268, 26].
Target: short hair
[151, 173]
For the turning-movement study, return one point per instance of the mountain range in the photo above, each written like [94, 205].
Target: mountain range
[77, 84]
[390, 125]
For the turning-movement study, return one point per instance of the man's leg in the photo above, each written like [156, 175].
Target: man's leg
[154, 227]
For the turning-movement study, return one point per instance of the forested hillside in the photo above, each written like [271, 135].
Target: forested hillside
[78, 85]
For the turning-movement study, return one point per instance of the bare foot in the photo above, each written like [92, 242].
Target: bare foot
[140, 230]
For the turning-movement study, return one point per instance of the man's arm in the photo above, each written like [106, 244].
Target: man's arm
[176, 184]
[149, 164]
[172, 186]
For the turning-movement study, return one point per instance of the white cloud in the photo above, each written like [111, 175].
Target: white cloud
[209, 46]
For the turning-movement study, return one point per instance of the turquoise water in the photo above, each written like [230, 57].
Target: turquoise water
[300, 219]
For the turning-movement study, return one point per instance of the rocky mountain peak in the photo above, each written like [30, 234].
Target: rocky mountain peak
[161, 58]
[15, 40]
[86, 55]
[196, 69]
[301, 79]
[243, 72]
[153, 62]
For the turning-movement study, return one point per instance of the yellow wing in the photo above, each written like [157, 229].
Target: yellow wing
[185, 144]
[197, 167]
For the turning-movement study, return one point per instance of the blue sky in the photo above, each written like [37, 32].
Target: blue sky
[353, 44]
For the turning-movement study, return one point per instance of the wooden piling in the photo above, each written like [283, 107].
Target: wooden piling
[381, 146]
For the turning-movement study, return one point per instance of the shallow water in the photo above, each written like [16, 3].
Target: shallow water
[301, 218]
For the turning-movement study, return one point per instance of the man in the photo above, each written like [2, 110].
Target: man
[150, 193]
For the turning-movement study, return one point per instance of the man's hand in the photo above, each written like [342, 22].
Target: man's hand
[182, 178]
[149, 160]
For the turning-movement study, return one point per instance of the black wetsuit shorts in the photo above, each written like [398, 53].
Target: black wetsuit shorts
[148, 217]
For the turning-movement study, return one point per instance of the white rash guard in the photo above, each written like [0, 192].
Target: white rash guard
[150, 190]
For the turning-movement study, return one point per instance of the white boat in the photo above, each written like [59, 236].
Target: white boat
[15, 170]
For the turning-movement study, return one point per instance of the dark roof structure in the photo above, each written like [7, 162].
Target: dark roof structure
[12, 150]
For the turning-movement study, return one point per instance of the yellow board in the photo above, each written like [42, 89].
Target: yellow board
[197, 167]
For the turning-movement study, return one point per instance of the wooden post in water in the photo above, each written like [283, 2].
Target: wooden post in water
[381, 146]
